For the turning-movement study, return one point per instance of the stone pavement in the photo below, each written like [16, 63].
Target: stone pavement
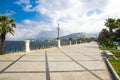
[75, 62]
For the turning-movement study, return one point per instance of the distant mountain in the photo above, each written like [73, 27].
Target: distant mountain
[74, 36]
[80, 35]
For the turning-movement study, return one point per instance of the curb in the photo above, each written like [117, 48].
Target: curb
[111, 70]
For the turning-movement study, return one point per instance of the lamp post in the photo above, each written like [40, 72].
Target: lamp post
[58, 28]
[58, 39]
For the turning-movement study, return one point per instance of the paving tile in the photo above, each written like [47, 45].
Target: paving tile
[23, 76]
[27, 66]
[73, 76]
[93, 65]
[4, 64]
[33, 58]
[58, 58]
[75, 62]
[102, 74]
[64, 66]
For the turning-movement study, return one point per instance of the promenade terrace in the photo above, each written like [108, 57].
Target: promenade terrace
[75, 62]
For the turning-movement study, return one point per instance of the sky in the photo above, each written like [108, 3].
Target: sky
[39, 18]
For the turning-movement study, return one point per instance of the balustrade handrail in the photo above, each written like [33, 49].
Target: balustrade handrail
[19, 46]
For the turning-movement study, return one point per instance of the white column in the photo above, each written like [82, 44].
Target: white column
[80, 41]
[70, 42]
[76, 42]
[59, 45]
[118, 47]
[27, 45]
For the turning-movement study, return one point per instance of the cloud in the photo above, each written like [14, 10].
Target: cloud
[26, 5]
[97, 11]
[9, 13]
[112, 10]
[29, 29]
[25, 2]
[93, 4]
[73, 16]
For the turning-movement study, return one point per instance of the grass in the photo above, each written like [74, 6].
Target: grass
[108, 48]
[116, 63]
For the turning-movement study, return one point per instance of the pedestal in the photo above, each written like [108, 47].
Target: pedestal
[27, 45]
[76, 42]
[70, 42]
[59, 45]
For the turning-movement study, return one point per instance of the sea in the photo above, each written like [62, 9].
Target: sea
[14, 46]
[19, 46]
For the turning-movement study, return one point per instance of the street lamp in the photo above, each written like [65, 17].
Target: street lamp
[58, 39]
[58, 28]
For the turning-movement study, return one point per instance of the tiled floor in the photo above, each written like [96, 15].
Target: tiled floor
[76, 62]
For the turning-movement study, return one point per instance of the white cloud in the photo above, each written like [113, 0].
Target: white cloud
[112, 10]
[26, 5]
[31, 29]
[10, 12]
[71, 14]
[26, 2]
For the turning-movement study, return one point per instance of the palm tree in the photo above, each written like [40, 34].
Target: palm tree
[7, 25]
[111, 24]
[118, 23]
[70, 39]
[103, 37]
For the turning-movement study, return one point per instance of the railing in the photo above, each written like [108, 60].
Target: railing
[14, 46]
[64, 43]
[41, 44]
[19, 46]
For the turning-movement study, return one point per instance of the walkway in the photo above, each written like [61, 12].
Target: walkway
[76, 62]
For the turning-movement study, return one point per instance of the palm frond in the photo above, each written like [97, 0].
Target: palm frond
[7, 25]
[11, 20]
[13, 25]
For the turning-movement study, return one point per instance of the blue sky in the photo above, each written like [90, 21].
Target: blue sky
[39, 18]
[14, 10]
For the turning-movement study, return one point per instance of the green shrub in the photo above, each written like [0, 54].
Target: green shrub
[112, 47]
[116, 63]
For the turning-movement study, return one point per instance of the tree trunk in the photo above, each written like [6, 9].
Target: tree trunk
[110, 32]
[2, 51]
[3, 46]
[0, 45]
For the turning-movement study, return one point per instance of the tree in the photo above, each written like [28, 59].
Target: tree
[118, 23]
[111, 24]
[103, 37]
[7, 25]
[116, 35]
[79, 40]
[70, 39]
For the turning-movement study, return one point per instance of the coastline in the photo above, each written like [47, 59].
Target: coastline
[12, 54]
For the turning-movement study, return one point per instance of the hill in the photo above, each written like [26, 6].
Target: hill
[80, 35]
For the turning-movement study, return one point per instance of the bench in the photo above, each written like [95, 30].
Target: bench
[108, 54]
